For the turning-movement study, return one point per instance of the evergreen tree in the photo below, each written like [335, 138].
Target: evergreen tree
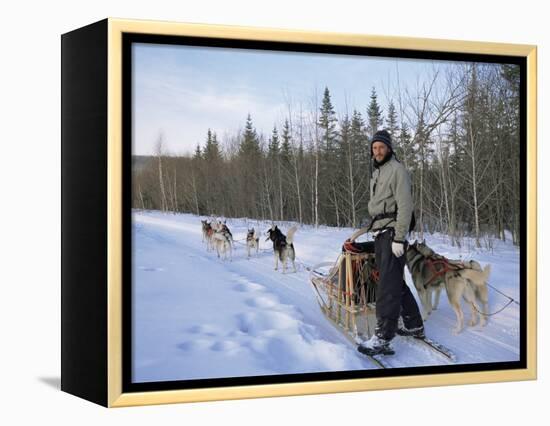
[391, 122]
[211, 152]
[361, 161]
[198, 153]
[273, 147]
[250, 172]
[328, 159]
[359, 139]
[286, 147]
[456, 154]
[250, 144]
[327, 123]
[374, 114]
[404, 146]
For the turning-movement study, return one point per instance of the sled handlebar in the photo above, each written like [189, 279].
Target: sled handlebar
[358, 233]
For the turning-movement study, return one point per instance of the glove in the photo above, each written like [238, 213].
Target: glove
[398, 249]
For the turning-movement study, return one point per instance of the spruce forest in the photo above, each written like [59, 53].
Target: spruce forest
[457, 132]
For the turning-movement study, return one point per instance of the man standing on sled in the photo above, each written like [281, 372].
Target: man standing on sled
[391, 208]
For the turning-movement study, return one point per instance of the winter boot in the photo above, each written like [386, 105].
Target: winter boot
[417, 332]
[376, 346]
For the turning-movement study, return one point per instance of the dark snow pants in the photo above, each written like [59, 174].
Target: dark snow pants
[393, 296]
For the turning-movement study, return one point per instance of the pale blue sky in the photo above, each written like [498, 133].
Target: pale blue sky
[181, 91]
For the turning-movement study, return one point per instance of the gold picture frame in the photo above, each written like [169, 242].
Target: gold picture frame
[107, 297]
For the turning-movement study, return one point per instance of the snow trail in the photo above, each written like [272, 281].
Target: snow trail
[196, 316]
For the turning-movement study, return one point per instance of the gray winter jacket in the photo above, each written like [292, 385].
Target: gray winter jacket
[390, 190]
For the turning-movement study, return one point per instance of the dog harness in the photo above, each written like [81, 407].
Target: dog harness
[440, 266]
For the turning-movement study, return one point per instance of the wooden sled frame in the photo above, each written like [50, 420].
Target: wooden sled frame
[346, 294]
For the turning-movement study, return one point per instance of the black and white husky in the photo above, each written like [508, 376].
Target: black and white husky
[222, 227]
[252, 241]
[283, 247]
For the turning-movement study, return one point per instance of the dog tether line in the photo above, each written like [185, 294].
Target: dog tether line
[510, 301]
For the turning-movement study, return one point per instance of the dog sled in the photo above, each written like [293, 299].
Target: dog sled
[346, 292]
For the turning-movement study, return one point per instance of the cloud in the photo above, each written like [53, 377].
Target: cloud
[184, 113]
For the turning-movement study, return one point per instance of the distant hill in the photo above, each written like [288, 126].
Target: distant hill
[140, 161]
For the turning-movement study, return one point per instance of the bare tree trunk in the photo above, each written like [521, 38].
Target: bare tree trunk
[401, 114]
[281, 216]
[164, 204]
[297, 168]
[195, 193]
[316, 148]
[175, 192]
[168, 188]
[141, 197]
[316, 222]
[313, 198]
[444, 190]
[351, 187]
[474, 185]
[336, 209]
[298, 189]
[267, 192]
[421, 221]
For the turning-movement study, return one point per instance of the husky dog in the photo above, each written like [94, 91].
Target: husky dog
[283, 247]
[220, 226]
[205, 227]
[252, 241]
[208, 235]
[222, 241]
[461, 280]
[224, 228]
[427, 302]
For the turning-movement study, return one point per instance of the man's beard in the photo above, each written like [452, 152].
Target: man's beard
[384, 160]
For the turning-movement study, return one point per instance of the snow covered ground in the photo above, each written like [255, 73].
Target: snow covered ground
[196, 316]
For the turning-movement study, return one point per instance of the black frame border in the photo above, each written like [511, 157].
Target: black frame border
[128, 39]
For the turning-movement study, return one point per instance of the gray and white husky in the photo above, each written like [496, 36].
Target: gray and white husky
[463, 280]
[222, 241]
[252, 242]
[283, 246]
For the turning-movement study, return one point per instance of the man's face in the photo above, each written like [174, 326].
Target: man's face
[379, 150]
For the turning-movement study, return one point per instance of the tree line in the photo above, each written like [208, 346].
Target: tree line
[457, 132]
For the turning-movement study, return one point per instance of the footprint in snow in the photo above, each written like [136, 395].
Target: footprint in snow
[257, 323]
[205, 329]
[195, 344]
[262, 302]
[225, 346]
[248, 287]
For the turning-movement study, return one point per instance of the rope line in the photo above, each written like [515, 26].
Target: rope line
[494, 313]
[504, 294]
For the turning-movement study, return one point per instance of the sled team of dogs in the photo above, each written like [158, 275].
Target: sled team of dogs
[218, 237]
[463, 280]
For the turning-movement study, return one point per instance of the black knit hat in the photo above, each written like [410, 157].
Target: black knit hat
[382, 136]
